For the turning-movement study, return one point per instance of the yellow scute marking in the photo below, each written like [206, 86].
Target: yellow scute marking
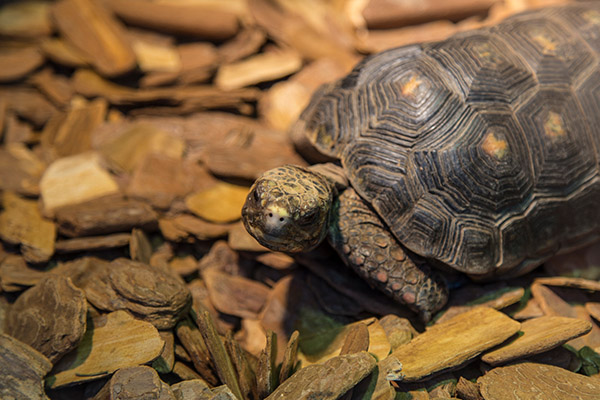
[409, 87]
[553, 126]
[547, 44]
[494, 147]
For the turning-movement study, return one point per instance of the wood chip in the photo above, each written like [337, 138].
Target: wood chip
[184, 372]
[63, 53]
[199, 228]
[452, 343]
[262, 67]
[235, 295]
[325, 381]
[111, 342]
[89, 27]
[133, 383]
[219, 355]
[15, 274]
[94, 243]
[56, 87]
[73, 131]
[17, 63]
[221, 203]
[28, 104]
[191, 389]
[266, 377]
[578, 283]
[538, 335]
[25, 19]
[594, 310]
[389, 13]
[356, 340]
[197, 97]
[244, 44]
[398, 330]
[21, 223]
[239, 239]
[244, 371]
[188, 19]
[147, 292]
[75, 179]
[50, 317]
[540, 381]
[130, 148]
[290, 358]
[20, 169]
[191, 338]
[467, 390]
[105, 215]
[164, 363]
[22, 369]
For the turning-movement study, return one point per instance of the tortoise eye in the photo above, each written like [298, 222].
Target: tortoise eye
[256, 195]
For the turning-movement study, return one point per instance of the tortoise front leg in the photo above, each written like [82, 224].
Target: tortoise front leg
[365, 244]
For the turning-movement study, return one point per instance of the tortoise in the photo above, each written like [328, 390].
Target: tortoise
[479, 153]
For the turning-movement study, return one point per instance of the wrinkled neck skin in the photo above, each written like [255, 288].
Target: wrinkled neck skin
[288, 209]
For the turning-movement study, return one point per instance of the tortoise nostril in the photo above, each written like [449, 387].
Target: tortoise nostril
[270, 215]
[281, 219]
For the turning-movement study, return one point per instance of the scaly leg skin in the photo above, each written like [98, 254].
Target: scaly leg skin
[365, 244]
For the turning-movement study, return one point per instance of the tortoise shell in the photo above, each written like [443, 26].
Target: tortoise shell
[482, 150]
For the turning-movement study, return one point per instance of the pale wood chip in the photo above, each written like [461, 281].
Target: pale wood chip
[536, 336]
[93, 243]
[222, 203]
[452, 343]
[111, 342]
[326, 381]
[95, 32]
[540, 381]
[75, 179]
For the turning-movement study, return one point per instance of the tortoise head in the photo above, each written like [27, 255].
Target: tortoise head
[288, 208]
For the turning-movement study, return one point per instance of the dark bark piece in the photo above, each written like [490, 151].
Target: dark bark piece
[50, 317]
[22, 223]
[18, 63]
[140, 248]
[380, 14]
[198, 97]
[150, 293]
[244, 371]
[189, 20]
[235, 295]
[191, 338]
[467, 390]
[15, 274]
[95, 32]
[184, 372]
[164, 363]
[266, 377]
[541, 381]
[136, 383]
[56, 87]
[71, 133]
[28, 104]
[326, 381]
[356, 340]
[398, 330]
[22, 369]
[92, 243]
[218, 354]
[192, 389]
[290, 358]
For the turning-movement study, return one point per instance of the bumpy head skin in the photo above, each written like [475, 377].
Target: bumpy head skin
[288, 209]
